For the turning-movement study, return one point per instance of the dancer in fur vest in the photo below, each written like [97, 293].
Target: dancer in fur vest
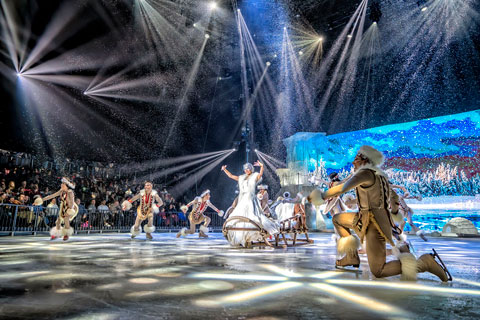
[150, 202]
[67, 212]
[373, 222]
[196, 216]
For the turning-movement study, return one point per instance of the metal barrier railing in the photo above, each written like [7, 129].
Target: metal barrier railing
[21, 219]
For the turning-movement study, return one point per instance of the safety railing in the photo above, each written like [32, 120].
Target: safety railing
[22, 220]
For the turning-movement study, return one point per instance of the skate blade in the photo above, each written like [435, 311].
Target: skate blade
[440, 262]
[350, 268]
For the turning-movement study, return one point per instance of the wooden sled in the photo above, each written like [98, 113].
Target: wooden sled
[295, 225]
[255, 227]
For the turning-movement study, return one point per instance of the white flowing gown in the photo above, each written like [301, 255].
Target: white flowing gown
[248, 206]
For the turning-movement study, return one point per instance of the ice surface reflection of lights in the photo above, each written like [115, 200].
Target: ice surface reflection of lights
[404, 286]
[360, 300]
[238, 277]
[143, 280]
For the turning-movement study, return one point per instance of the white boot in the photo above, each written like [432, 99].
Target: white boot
[134, 232]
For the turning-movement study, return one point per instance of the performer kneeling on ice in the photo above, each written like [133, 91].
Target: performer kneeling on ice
[67, 212]
[248, 206]
[150, 201]
[373, 221]
[196, 216]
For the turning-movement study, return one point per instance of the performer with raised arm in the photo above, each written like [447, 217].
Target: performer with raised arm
[196, 216]
[249, 207]
[373, 221]
[150, 201]
[67, 212]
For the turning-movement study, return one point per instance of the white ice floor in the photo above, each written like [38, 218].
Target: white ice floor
[110, 276]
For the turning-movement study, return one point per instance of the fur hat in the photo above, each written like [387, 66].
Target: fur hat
[262, 187]
[375, 157]
[204, 193]
[68, 183]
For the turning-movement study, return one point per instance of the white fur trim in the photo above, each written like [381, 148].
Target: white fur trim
[154, 192]
[184, 208]
[409, 266]
[204, 193]
[376, 157]
[155, 209]
[142, 192]
[135, 233]
[38, 201]
[420, 232]
[126, 205]
[71, 212]
[67, 232]
[68, 183]
[204, 229]
[220, 213]
[148, 229]
[56, 232]
[262, 187]
[183, 232]
[403, 237]
[348, 245]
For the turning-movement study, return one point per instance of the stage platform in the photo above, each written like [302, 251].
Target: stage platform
[110, 276]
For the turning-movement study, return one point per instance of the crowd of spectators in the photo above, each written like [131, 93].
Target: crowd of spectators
[97, 195]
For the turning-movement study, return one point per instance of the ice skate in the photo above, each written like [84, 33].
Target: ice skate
[428, 263]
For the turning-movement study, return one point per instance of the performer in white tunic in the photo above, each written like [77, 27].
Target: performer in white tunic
[249, 207]
[150, 201]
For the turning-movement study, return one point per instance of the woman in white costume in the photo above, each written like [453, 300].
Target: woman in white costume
[248, 207]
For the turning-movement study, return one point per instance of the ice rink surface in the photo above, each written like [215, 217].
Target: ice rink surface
[110, 276]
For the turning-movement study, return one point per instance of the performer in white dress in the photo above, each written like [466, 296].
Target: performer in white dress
[248, 207]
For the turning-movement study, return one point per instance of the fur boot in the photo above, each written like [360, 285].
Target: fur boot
[202, 233]
[134, 232]
[409, 266]
[427, 263]
[67, 233]
[55, 233]
[182, 232]
[348, 248]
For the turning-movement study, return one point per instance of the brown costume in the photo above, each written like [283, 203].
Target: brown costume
[373, 222]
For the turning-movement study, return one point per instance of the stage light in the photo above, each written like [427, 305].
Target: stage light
[374, 23]
[19, 74]
[238, 10]
[195, 25]
[275, 55]
[255, 150]
[207, 36]
[284, 28]
[320, 39]
[268, 64]
[212, 5]
[300, 52]
[349, 36]
[424, 9]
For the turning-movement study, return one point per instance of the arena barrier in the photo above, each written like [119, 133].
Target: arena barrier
[32, 220]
